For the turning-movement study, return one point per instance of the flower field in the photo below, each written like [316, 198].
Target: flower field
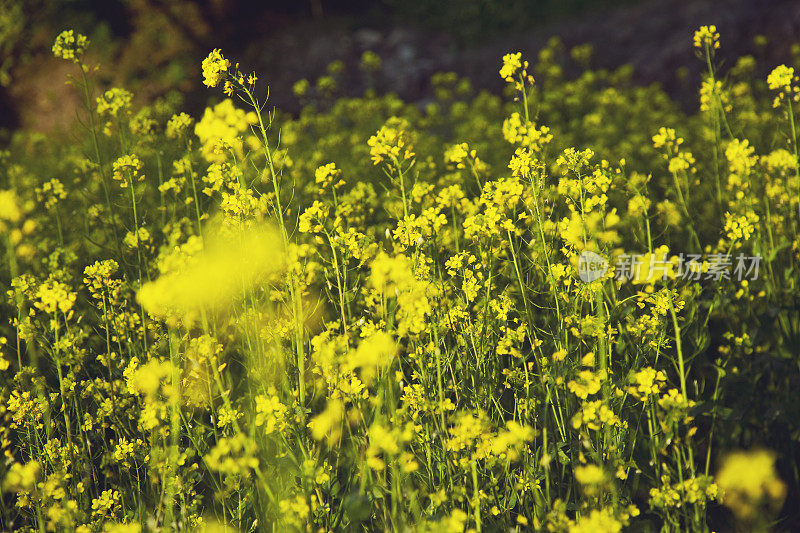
[573, 307]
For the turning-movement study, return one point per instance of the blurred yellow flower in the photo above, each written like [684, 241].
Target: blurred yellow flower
[750, 483]
[232, 263]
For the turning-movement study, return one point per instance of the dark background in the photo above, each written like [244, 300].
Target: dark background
[155, 46]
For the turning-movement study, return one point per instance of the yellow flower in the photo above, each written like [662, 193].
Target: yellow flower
[750, 483]
[326, 174]
[392, 143]
[227, 417]
[106, 504]
[781, 77]
[113, 101]
[126, 170]
[300, 88]
[370, 61]
[511, 441]
[649, 268]
[311, 219]
[682, 162]
[393, 277]
[4, 364]
[382, 441]
[122, 528]
[595, 415]
[70, 45]
[454, 523]
[54, 296]
[511, 64]
[740, 156]
[456, 154]
[776, 161]
[740, 227]
[294, 511]
[706, 36]
[647, 382]
[233, 262]
[233, 456]
[214, 68]
[328, 424]
[596, 521]
[590, 475]
[466, 431]
[666, 137]
[51, 191]
[21, 477]
[220, 126]
[711, 91]
[178, 125]
[516, 130]
[9, 206]
[134, 239]
[638, 206]
[587, 383]
[123, 449]
[147, 379]
[373, 353]
[270, 413]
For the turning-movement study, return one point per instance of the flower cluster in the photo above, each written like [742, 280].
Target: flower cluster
[70, 46]
[706, 37]
[215, 67]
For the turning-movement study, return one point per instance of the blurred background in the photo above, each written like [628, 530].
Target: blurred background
[154, 47]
